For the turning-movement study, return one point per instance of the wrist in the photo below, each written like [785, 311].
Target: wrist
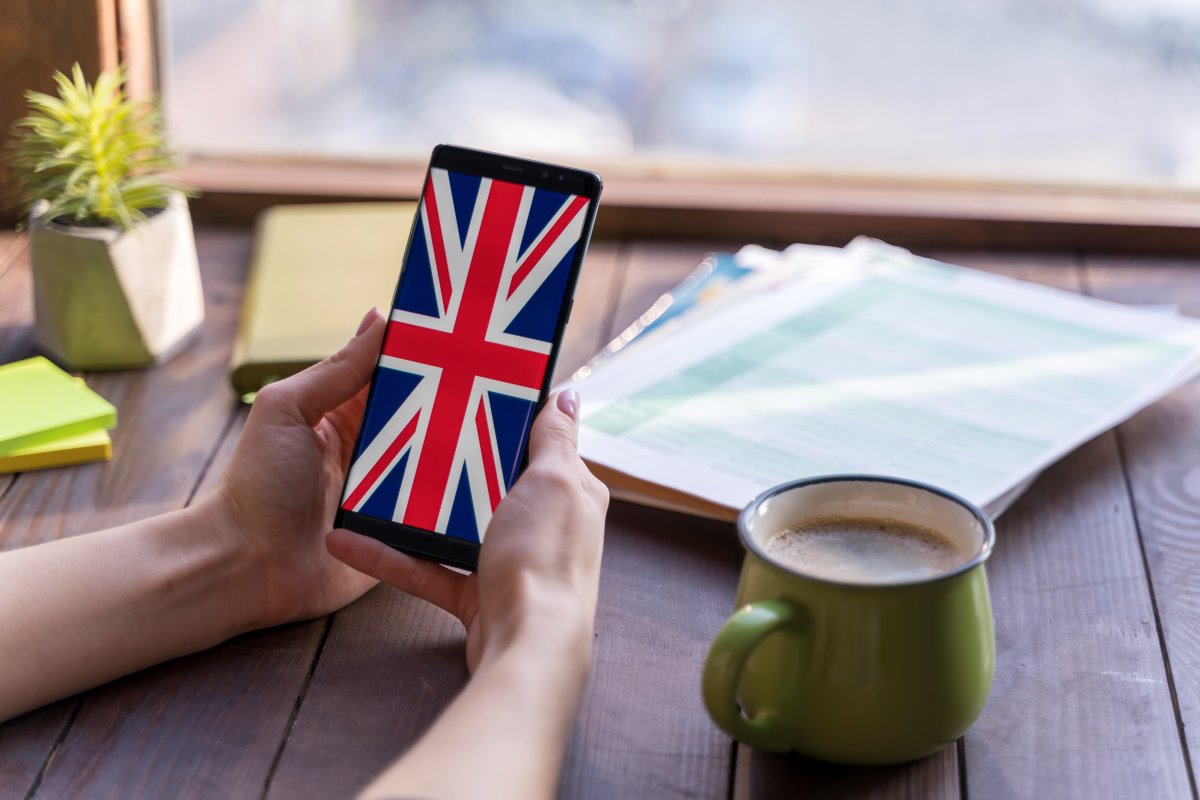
[556, 627]
[237, 591]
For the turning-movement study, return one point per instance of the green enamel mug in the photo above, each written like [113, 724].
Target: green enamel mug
[854, 673]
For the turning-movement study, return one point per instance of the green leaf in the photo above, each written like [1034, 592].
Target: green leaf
[91, 152]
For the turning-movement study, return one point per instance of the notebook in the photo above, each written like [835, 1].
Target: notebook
[40, 404]
[316, 270]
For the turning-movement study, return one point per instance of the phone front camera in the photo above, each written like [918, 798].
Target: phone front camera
[559, 176]
[545, 173]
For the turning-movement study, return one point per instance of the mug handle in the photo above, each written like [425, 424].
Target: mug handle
[736, 640]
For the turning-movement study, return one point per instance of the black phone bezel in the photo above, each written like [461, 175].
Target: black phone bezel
[540, 175]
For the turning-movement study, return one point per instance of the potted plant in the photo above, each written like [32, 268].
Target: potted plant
[116, 282]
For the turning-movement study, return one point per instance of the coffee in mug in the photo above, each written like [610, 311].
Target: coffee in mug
[862, 630]
[866, 550]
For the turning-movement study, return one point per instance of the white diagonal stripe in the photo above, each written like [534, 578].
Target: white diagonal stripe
[509, 307]
[419, 399]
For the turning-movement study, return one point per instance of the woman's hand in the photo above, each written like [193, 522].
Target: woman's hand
[529, 614]
[540, 562]
[277, 499]
[82, 610]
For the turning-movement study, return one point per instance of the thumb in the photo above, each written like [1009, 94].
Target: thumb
[328, 384]
[555, 432]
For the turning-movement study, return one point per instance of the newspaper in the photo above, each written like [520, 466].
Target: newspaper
[870, 360]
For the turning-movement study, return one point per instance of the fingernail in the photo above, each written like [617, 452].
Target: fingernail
[367, 319]
[568, 403]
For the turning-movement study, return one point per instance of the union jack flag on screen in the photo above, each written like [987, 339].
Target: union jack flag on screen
[465, 353]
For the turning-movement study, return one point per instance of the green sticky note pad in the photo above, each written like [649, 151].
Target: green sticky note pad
[39, 403]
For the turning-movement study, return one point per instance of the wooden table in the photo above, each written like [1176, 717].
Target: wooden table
[1095, 582]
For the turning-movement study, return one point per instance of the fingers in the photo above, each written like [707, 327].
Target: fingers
[326, 385]
[555, 432]
[424, 579]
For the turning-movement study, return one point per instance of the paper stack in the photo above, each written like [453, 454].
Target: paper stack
[50, 419]
[765, 366]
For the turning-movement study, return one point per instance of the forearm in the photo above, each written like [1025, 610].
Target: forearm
[506, 734]
[82, 611]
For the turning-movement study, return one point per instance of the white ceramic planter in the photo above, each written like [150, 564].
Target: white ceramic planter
[106, 299]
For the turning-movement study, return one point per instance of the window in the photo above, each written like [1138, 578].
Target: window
[1052, 91]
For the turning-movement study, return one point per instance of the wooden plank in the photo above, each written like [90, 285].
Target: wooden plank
[38, 37]
[14, 319]
[276, 665]
[655, 267]
[594, 297]
[10, 243]
[229, 724]
[1059, 270]
[1080, 705]
[168, 421]
[765, 775]
[215, 470]
[136, 23]
[169, 418]
[389, 666]
[667, 585]
[390, 663]
[16, 299]
[206, 725]
[26, 740]
[768, 775]
[1159, 448]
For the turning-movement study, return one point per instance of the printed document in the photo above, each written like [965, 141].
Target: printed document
[872, 360]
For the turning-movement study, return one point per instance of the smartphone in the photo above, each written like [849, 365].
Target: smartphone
[485, 290]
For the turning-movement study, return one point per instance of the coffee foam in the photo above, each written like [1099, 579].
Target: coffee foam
[865, 550]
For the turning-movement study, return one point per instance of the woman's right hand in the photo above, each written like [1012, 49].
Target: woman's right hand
[539, 567]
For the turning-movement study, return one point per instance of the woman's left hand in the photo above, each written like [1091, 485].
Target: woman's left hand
[277, 499]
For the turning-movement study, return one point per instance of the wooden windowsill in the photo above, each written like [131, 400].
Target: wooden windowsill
[767, 208]
[770, 208]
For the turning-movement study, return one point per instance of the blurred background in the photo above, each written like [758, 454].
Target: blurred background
[1058, 91]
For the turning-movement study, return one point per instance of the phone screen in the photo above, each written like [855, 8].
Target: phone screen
[467, 353]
